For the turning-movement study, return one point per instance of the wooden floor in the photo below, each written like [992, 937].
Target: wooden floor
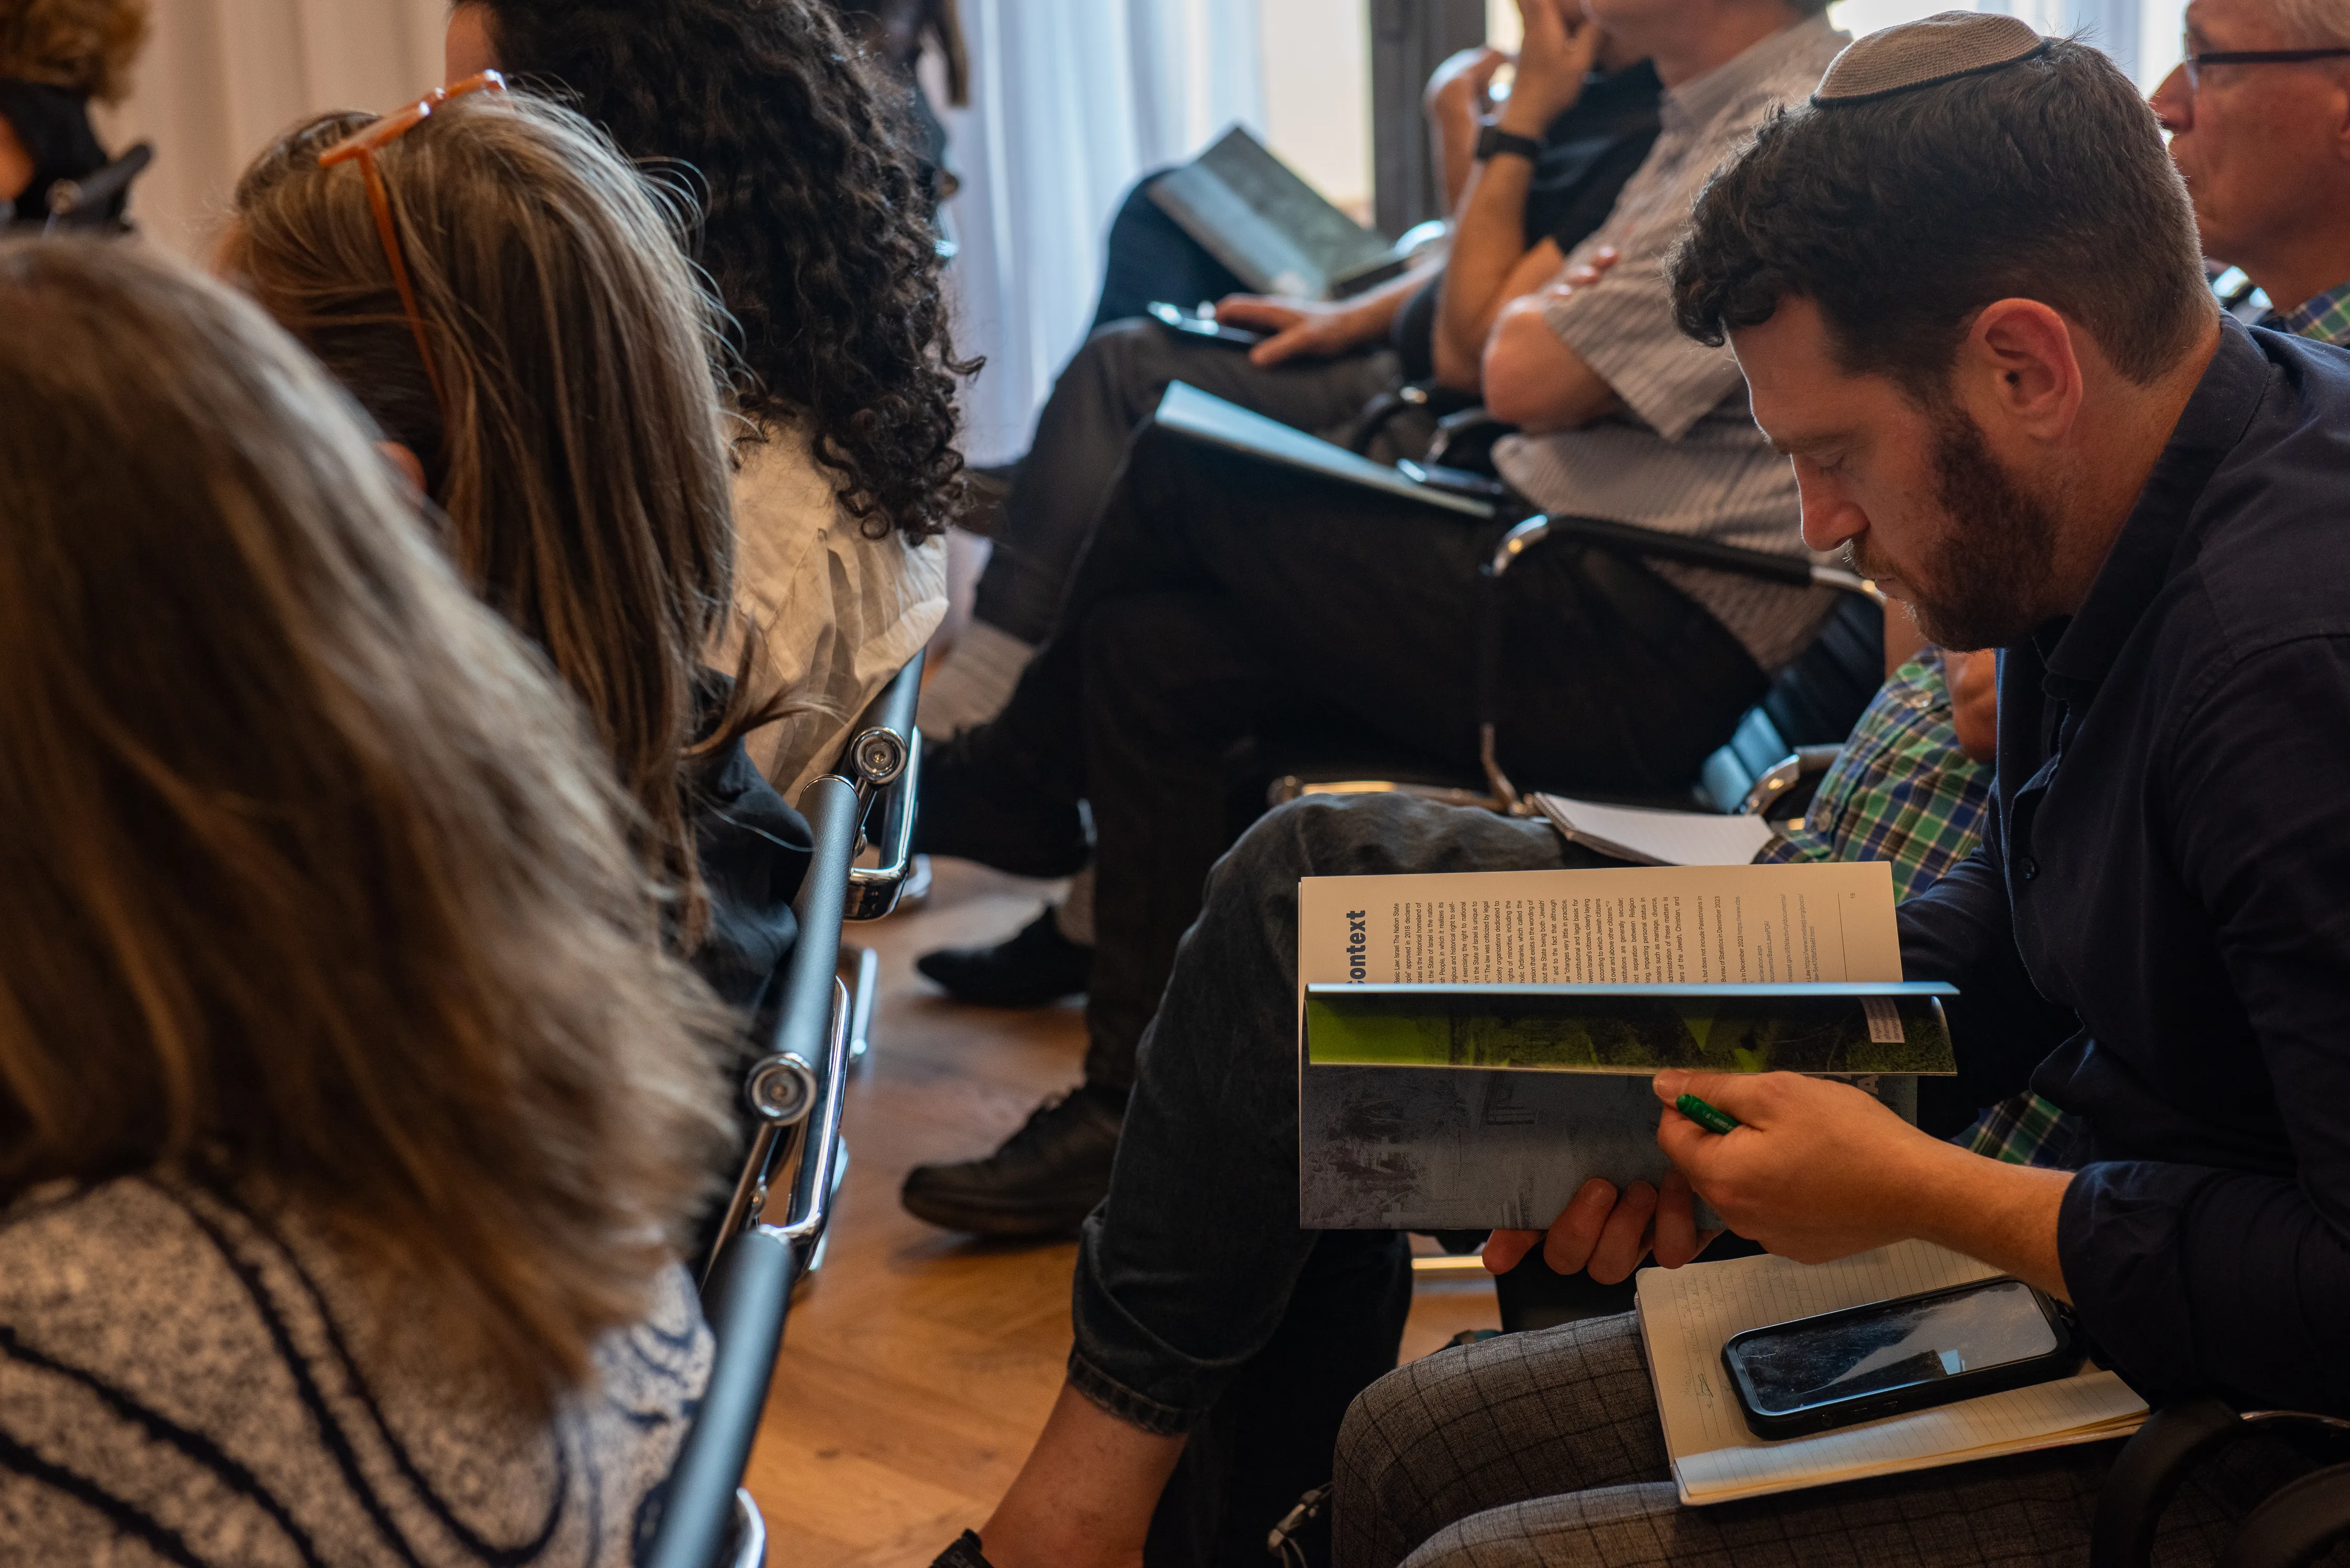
[918, 1366]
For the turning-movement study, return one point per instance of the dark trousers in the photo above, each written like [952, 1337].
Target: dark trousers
[1151, 257]
[1223, 599]
[1200, 1306]
[1268, 1441]
[1109, 386]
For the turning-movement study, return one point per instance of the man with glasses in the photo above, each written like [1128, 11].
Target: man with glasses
[2259, 116]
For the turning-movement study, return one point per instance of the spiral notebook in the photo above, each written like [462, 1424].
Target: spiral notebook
[1687, 1315]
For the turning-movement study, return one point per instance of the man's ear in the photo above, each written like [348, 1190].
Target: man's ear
[410, 465]
[2018, 360]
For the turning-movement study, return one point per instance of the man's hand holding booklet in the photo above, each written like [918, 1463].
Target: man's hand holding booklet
[1505, 1050]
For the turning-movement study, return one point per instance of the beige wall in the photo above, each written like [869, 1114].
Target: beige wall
[220, 78]
[1317, 94]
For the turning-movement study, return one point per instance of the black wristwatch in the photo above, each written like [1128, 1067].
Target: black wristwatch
[1494, 139]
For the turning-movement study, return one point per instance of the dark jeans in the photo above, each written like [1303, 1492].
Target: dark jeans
[1200, 1305]
[1112, 385]
[1223, 599]
[1270, 1440]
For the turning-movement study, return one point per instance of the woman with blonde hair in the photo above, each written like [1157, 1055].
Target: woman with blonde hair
[508, 299]
[349, 1105]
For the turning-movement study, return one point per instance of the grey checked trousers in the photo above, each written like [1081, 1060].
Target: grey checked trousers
[1543, 1448]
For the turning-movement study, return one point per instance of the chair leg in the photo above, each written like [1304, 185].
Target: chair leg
[864, 994]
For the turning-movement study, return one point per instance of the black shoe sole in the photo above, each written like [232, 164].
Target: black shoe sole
[1003, 1224]
[1035, 968]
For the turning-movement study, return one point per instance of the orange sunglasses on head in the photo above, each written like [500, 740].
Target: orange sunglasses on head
[363, 145]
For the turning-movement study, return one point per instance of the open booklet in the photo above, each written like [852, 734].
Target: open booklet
[1277, 234]
[1687, 1314]
[1547, 999]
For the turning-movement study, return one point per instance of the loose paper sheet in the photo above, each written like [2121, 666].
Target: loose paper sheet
[1687, 1314]
[1658, 837]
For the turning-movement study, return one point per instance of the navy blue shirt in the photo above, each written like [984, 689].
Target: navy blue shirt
[2159, 916]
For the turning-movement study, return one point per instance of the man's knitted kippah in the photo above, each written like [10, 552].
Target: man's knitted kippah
[1940, 48]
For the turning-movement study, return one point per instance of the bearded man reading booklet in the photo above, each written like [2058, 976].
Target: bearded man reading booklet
[2015, 400]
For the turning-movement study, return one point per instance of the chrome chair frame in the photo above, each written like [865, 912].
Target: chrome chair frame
[82, 204]
[1728, 788]
[795, 1094]
[884, 762]
[1793, 570]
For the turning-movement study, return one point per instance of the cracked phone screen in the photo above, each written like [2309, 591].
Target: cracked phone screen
[1902, 1343]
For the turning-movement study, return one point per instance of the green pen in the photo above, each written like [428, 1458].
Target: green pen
[1705, 1116]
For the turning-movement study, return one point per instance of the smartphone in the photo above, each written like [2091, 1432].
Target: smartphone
[1453, 480]
[1890, 1358]
[1177, 319]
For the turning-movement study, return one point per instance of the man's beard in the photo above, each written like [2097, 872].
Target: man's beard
[1981, 580]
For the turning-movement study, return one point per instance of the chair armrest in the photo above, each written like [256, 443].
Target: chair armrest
[1387, 407]
[86, 203]
[745, 1300]
[811, 1029]
[1465, 440]
[831, 809]
[1781, 791]
[1795, 571]
[2156, 1463]
[885, 762]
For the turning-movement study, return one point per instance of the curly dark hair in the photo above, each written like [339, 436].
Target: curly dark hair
[816, 228]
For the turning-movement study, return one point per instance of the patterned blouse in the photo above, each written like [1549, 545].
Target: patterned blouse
[179, 1385]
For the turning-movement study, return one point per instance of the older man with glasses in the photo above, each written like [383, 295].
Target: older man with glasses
[2259, 116]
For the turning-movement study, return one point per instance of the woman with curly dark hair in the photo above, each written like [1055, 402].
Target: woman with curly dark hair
[817, 234]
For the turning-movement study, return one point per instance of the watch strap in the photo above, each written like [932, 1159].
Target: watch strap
[1494, 140]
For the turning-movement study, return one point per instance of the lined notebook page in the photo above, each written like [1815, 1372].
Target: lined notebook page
[1687, 1315]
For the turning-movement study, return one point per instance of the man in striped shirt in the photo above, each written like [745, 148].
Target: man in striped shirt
[1224, 600]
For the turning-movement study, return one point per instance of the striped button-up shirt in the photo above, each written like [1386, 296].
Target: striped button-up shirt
[1684, 455]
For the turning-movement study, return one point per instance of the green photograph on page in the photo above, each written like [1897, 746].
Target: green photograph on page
[1630, 1034]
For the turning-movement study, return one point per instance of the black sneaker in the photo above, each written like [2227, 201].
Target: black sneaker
[1043, 1180]
[978, 804]
[1036, 967]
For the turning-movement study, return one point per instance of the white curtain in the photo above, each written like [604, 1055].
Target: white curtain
[2142, 35]
[1071, 100]
[220, 78]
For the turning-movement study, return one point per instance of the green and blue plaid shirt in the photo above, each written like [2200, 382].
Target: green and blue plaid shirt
[2325, 317]
[1903, 791]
